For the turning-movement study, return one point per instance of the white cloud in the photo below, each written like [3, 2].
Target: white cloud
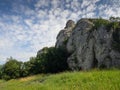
[42, 3]
[2, 59]
[5, 43]
[28, 22]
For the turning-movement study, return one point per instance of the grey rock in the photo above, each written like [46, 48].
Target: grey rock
[65, 34]
[80, 45]
[90, 47]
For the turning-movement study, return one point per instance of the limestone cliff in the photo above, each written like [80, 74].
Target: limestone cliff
[91, 43]
[64, 34]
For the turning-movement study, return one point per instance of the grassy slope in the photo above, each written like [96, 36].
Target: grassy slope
[92, 80]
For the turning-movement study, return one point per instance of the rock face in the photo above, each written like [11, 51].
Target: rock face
[64, 34]
[90, 47]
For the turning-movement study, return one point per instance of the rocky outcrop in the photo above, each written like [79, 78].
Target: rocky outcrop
[64, 34]
[90, 47]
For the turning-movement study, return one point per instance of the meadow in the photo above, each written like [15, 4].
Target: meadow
[82, 80]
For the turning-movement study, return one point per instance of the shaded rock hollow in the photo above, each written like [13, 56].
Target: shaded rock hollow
[90, 47]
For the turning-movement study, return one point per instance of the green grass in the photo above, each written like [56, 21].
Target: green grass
[91, 80]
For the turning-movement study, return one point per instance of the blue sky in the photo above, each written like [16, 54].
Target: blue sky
[29, 25]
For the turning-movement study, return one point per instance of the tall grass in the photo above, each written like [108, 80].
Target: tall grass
[91, 80]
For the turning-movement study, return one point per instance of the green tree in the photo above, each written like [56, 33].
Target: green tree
[29, 67]
[53, 60]
[99, 22]
[114, 19]
[1, 71]
[11, 69]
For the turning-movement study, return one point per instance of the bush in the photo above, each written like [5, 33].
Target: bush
[108, 24]
[112, 25]
[29, 67]
[1, 71]
[11, 69]
[53, 60]
[100, 22]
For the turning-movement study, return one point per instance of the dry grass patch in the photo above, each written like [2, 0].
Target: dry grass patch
[24, 79]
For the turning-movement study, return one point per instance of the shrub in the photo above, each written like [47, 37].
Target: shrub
[53, 60]
[28, 68]
[0, 71]
[11, 69]
[100, 22]
[112, 25]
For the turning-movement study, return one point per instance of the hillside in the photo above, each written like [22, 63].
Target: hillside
[91, 80]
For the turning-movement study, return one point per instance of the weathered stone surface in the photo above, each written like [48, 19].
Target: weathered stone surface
[65, 34]
[90, 47]
[80, 45]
